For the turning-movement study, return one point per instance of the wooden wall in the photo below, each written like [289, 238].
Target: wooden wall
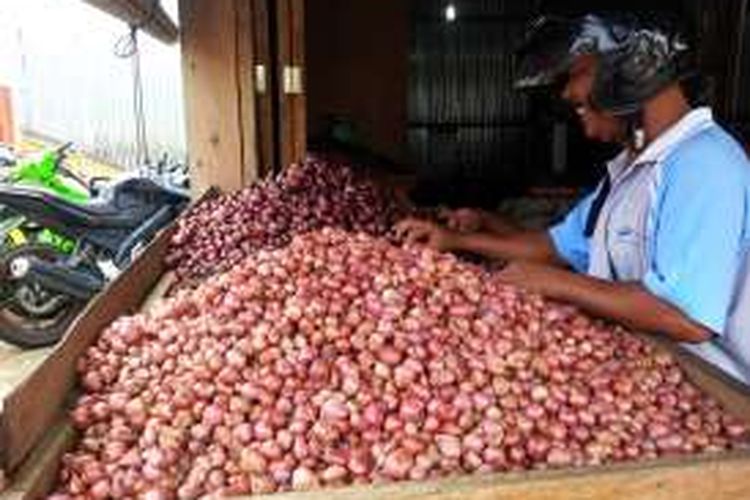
[357, 67]
[217, 55]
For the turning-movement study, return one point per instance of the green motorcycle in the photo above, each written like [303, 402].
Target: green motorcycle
[47, 173]
[63, 239]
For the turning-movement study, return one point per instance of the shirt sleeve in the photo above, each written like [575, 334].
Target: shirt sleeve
[568, 236]
[698, 238]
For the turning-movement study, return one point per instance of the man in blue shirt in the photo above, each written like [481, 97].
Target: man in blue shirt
[662, 244]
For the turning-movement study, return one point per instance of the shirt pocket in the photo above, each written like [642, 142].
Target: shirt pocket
[625, 247]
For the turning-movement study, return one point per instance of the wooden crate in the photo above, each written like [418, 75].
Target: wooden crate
[706, 477]
[719, 476]
[725, 476]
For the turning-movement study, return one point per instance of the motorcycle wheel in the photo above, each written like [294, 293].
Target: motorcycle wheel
[30, 315]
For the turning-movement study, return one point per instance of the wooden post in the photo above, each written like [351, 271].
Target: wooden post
[265, 83]
[290, 28]
[299, 101]
[246, 26]
[217, 59]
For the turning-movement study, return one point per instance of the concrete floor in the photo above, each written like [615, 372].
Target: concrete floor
[16, 364]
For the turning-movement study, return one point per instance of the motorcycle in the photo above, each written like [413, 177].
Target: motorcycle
[62, 239]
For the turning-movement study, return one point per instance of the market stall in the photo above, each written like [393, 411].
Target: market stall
[278, 338]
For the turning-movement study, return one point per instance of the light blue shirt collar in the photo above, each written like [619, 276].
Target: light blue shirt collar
[693, 122]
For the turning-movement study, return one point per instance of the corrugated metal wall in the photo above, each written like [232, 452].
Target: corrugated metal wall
[466, 123]
[70, 85]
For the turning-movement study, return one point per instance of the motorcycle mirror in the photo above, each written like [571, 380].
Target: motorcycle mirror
[61, 150]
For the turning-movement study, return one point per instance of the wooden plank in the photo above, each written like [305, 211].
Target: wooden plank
[37, 477]
[703, 479]
[292, 116]
[264, 96]
[357, 61]
[220, 128]
[734, 397]
[283, 55]
[38, 400]
[148, 15]
[251, 169]
[698, 478]
[722, 476]
[158, 291]
[298, 102]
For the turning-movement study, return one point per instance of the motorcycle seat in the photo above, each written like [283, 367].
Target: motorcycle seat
[128, 205]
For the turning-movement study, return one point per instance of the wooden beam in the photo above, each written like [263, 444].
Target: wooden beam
[299, 101]
[148, 15]
[264, 84]
[217, 49]
[251, 170]
[292, 127]
[284, 123]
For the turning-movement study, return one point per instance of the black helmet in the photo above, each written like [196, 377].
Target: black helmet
[636, 59]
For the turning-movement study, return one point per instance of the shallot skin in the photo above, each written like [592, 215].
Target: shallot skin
[342, 359]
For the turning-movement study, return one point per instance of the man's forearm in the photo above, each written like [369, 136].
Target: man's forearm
[533, 246]
[627, 303]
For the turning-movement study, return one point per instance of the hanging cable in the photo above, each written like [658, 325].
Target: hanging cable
[127, 48]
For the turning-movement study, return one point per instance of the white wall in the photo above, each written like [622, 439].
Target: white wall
[58, 55]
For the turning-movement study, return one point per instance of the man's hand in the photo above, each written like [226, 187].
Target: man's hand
[463, 220]
[470, 220]
[427, 233]
[527, 275]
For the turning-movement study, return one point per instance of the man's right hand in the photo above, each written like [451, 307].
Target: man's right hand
[463, 220]
[427, 233]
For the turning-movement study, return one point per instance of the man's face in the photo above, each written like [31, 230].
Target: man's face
[597, 125]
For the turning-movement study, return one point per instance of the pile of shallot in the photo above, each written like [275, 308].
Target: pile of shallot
[341, 359]
[316, 193]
